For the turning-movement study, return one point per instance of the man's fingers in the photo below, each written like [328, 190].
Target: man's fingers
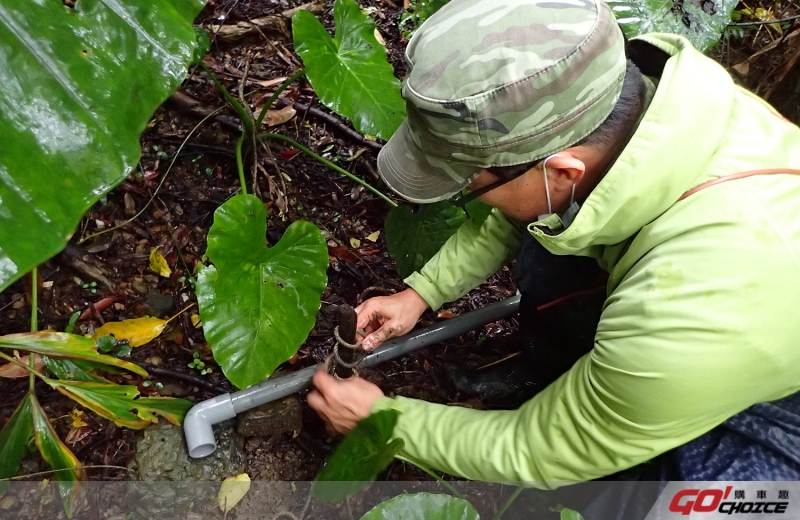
[317, 402]
[323, 381]
[374, 340]
[365, 313]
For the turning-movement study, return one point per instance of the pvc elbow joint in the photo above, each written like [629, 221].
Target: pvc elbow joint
[198, 422]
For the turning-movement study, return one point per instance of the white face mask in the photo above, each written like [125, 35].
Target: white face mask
[547, 189]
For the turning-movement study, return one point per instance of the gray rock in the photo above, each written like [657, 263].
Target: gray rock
[170, 483]
[283, 415]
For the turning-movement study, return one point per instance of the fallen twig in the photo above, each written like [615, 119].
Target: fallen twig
[189, 378]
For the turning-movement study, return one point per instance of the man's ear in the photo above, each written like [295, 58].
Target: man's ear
[565, 170]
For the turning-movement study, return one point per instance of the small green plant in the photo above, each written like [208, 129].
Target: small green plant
[199, 365]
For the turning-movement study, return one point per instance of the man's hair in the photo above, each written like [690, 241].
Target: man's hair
[617, 128]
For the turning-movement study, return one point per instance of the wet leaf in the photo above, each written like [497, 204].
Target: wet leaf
[362, 455]
[137, 331]
[13, 371]
[118, 403]
[278, 117]
[350, 72]
[355, 243]
[423, 506]
[158, 264]
[79, 86]
[413, 238]
[13, 438]
[701, 21]
[232, 491]
[373, 237]
[57, 455]
[258, 303]
[65, 346]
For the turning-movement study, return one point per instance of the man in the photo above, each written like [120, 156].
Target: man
[698, 331]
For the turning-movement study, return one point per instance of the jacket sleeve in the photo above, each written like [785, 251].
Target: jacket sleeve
[467, 259]
[683, 344]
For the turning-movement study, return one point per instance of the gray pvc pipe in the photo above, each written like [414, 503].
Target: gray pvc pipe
[198, 422]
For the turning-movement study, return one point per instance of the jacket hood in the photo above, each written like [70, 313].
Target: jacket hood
[667, 155]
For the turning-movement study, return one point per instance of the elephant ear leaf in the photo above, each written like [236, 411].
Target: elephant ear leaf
[79, 86]
[362, 455]
[423, 506]
[349, 72]
[259, 303]
[701, 21]
[413, 238]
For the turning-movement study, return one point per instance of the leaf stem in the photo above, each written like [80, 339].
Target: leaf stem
[247, 121]
[329, 164]
[240, 163]
[291, 79]
[34, 322]
[507, 503]
[440, 479]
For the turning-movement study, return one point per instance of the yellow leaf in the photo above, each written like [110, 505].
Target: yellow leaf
[379, 37]
[158, 264]
[373, 237]
[277, 117]
[196, 321]
[355, 242]
[137, 331]
[232, 490]
[77, 419]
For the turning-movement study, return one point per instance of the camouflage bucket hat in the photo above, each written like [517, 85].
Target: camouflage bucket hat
[500, 83]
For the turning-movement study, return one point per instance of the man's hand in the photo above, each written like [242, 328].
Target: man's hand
[385, 317]
[341, 404]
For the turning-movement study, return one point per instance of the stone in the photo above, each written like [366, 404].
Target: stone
[169, 482]
[7, 502]
[283, 415]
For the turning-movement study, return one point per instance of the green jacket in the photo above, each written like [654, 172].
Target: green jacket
[702, 318]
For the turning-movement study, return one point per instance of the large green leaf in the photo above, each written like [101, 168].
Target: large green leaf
[78, 87]
[258, 303]
[365, 452]
[701, 21]
[15, 435]
[413, 238]
[423, 506]
[118, 403]
[65, 346]
[57, 455]
[349, 72]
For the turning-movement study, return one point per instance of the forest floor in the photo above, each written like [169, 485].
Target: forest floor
[188, 170]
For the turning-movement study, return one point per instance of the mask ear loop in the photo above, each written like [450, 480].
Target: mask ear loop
[547, 186]
[572, 197]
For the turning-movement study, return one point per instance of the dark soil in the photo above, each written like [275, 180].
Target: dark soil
[188, 169]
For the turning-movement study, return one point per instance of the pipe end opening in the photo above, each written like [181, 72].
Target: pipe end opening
[202, 450]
